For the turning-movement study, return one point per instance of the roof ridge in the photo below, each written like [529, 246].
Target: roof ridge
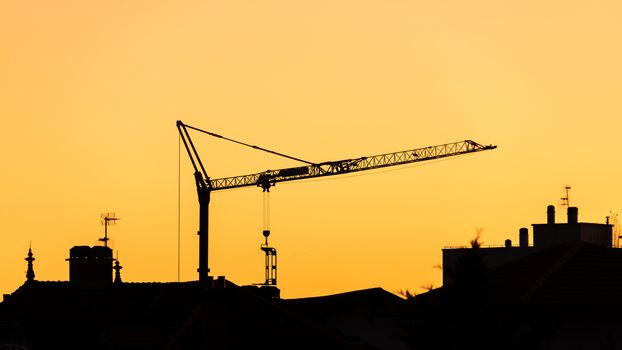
[549, 272]
[350, 292]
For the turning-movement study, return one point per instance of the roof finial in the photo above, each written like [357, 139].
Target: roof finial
[117, 272]
[30, 273]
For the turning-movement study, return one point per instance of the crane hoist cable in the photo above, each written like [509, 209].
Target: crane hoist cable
[266, 210]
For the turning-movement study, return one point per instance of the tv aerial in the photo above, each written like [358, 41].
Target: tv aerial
[565, 201]
[107, 219]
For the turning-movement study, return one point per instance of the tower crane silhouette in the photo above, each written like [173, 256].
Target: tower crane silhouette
[269, 178]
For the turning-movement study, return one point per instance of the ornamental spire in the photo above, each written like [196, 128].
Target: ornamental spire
[30, 273]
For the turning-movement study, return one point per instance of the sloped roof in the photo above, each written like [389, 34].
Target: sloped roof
[369, 315]
[320, 308]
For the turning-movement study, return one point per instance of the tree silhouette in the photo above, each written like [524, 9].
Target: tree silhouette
[454, 316]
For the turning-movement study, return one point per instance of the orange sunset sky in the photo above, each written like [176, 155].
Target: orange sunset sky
[90, 92]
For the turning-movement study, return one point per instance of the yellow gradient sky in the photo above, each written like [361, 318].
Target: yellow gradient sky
[90, 92]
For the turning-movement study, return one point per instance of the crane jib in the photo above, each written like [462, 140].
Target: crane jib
[269, 178]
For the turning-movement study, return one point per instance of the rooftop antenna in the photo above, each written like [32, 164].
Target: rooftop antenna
[107, 219]
[566, 199]
[612, 219]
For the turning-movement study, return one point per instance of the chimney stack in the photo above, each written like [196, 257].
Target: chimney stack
[523, 238]
[550, 214]
[573, 215]
[90, 264]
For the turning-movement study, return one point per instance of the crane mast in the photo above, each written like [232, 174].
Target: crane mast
[269, 178]
[204, 190]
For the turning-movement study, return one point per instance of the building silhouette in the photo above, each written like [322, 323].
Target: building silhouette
[94, 311]
[545, 235]
[564, 291]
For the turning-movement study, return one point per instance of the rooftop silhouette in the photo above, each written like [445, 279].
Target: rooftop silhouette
[93, 311]
[565, 290]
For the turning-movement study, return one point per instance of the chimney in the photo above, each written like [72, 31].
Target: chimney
[90, 264]
[220, 282]
[573, 215]
[523, 238]
[550, 214]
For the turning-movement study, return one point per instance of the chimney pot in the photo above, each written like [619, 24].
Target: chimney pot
[550, 214]
[573, 215]
[523, 238]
